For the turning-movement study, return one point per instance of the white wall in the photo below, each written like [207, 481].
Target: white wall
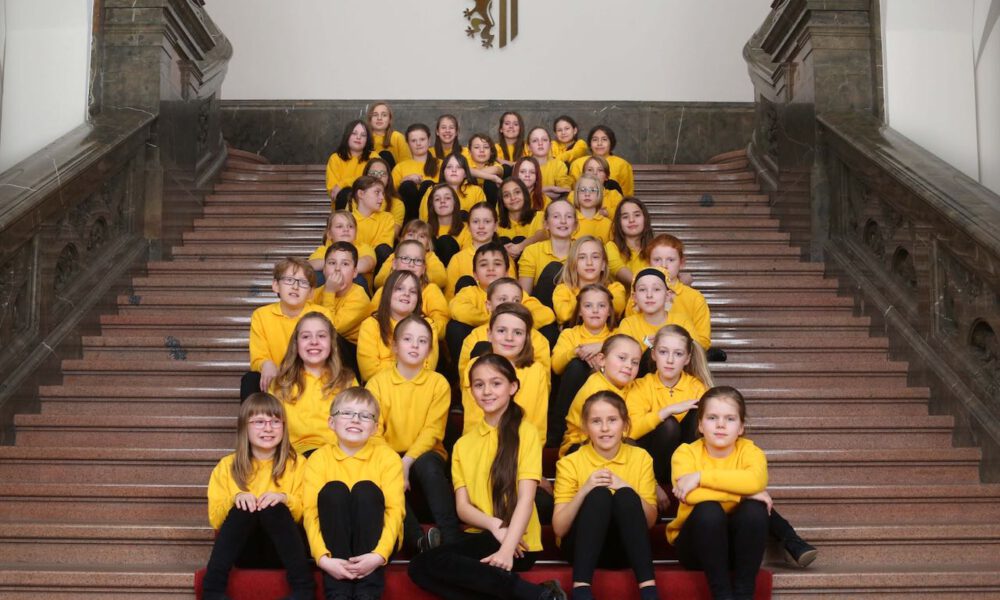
[662, 50]
[942, 80]
[45, 69]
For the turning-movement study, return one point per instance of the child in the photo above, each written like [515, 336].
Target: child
[586, 264]
[605, 503]
[619, 365]
[401, 298]
[388, 143]
[376, 227]
[310, 376]
[484, 166]
[380, 169]
[346, 300]
[413, 177]
[567, 147]
[721, 523]
[495, 469]
[446, 138]
[420, 232]
[511, 145]
[352, 493]
[597, 167]
[519, 224]
[588, 199]
[667, 252]
[631, 231]
[414, 410]
[254, 502]
[528, 171]
[540, 263]
[271, 326]
[347, 162]
[343, 227]
[410, 256]
[501, 291]
[455, 172]
[602, 141]
[447, 227]
[555, 177]
[482, 229]
[654, 306]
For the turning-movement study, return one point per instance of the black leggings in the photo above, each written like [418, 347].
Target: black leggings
[570, 382]
[453, 571]
[412, 194]
[351, 521]
[389, 159]
[445, 246]
[249, 384]
[546, 283]
[664, 439]
[343, 198]
[234, 545]
[609, 532]
[429, 476]
[720, 544]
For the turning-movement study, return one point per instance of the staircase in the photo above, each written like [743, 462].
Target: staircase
[104, 493]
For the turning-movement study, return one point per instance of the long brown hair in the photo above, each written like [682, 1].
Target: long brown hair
[537, 196]
[577, 318]
[518, 143]
[456, 146]
[383, 315]
[456, 215]
[387, 140]
[503, 471]
[291, 379]
[527, 211]
[259, 403]
[431, 163]
[344, 151]
[618, 235]
[389, 187]
[526, 356]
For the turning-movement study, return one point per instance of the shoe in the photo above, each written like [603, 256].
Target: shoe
[799, 553]
[553, 591]
[716, 355]
[429, 540]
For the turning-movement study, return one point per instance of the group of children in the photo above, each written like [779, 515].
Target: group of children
[528, 274]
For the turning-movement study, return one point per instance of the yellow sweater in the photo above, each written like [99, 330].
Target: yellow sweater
[373, 355]
[435, 307]
[342, 173]
[413, 412]
[569, 340]
[569, 153]
[472, 195]
[533, 397]
[539, 346]
[555, 172]
[270, 331]
[469, 307]
[398, 147]
[307, 419]
[649, 395]
[412, 167]
[222, 488]
[348, 310]
[575, 434]
[436, 272]
[621, 171]
[564, 299]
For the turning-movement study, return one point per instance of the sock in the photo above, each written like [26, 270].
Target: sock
[649, 593]
[583, 592]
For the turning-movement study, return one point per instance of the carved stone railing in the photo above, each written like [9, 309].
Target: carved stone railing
[79, 216]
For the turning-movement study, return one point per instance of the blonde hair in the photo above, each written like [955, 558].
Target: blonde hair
[698, 365]
[569, 274]
[259, 403]
[597, 184]
[355, 394]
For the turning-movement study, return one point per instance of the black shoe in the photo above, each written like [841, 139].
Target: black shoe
[716, 355]
[799, 553]
[553, 591]
[214, 596]
[429, 540]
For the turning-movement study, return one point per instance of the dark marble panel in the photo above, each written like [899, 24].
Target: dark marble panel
[658, 132]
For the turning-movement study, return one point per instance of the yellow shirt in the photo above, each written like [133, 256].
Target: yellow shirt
[649, 395]
[222, 488]
[616, 262]
[598, 226]
[621, 171]
[526, 230]
[723, 480]
[569, 153]
[564, 300]
[472, 459]
[413, 412]
[535, 258]
[472, 195]
[398, 147]
[373, 355]
[375, 462]
[435, 307]
[307, 420]
[640, 330]
[409, 167]
[397, 210]
[465, 153]
[376, 229]
[569, 340]
[633, 465]
[532, 396]
[363, 250]
[342, 173]
[469, 307]
[464, 239]
[691, 302]
[348, 310]
[575, 434]
[539, 346]
[270, 331]
[609, 202]
[511, 156]
[461, 265]
[436, 272]
[555, 172]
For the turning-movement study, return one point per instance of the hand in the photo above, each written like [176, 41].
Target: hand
[415, 178]
[763, 497]
[599, 478]
[245, 501]
[269, 499]
[686, 484]
[407, 463]
[662, 499]
[677, 408]
[514, 250]
[362, 566]
[268, 371]
[617, 482]
[500, 559]
[334, 283]
[335, 567]
[604, 212]
[685, 278]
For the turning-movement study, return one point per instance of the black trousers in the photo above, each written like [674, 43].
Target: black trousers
[429, 476]
[547, 283]
[342, 199]
[455, 333]
[570, 382]
[453, 571]
[664, 439]
[609, 532]
[351, 521]
[446, 247]
[720, 544]
[389, 159]
[249, 384]
[240, 537]
[492, 192]
[412, 194]
[348, 354]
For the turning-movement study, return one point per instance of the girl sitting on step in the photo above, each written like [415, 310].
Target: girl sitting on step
[586, 264]
[567, 145]
[348, 162]
[602, 141]
[541, 262]
[414, 176]
[393, 204]
[528, 171]
[519, 225]
[447, 225]
[343, 227]
[375, 226]
[653, 301]
[455, 172]
[631, 231]
[611, 197]
[388, 143]
[588, 198]
[484, 166]
[554, 173]
[605, 500]
[254, 502]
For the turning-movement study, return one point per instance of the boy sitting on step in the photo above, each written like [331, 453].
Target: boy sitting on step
[271, 326]
[344, 298]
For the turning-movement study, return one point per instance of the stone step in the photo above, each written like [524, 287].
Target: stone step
[103, 503]
[878, 503]
[162, 466]
[909, 466]
[44, 579]
[205, 401]
[970, 581]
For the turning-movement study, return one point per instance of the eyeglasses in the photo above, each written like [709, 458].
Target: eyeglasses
[293, 282]
[350, 415]
[376, 173]
[410, 260]
[591, 190]
[264, 423]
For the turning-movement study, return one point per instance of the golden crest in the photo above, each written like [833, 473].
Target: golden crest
[482, 23]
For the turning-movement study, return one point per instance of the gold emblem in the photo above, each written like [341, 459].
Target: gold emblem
[482, 23]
